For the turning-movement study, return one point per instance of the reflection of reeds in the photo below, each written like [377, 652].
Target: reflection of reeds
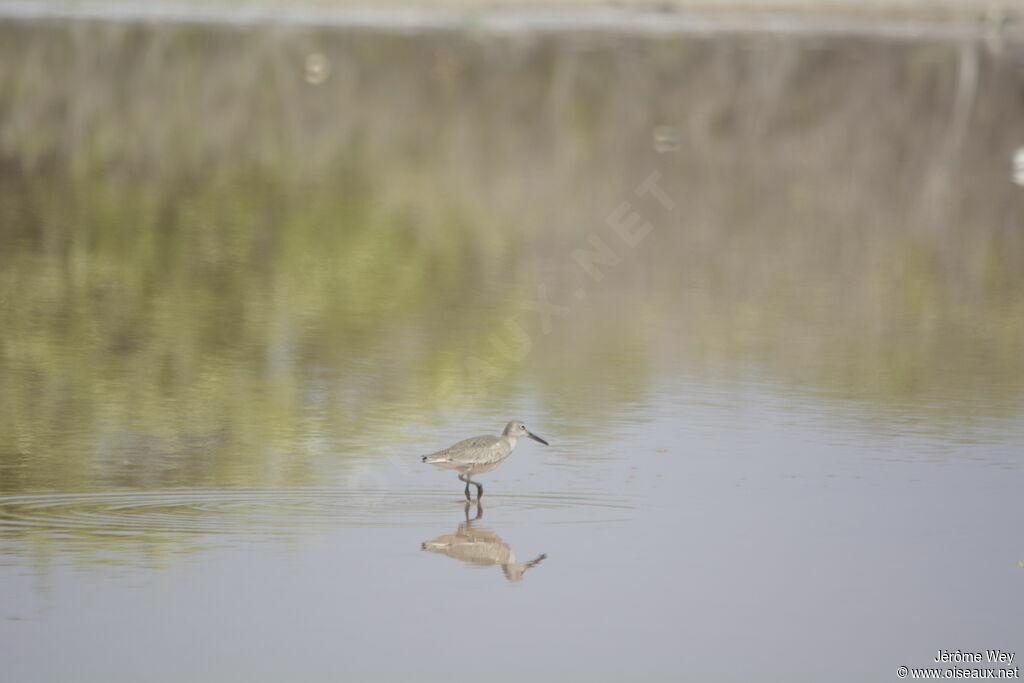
[187, 217]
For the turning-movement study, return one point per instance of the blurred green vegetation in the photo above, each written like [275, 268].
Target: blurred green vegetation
[224, 252]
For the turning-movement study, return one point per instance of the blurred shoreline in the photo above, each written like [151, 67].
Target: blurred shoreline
[908, 19]
[329, 221]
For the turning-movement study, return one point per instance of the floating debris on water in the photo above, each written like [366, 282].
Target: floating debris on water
[1018, 166]
[666, 139]
[318, 68]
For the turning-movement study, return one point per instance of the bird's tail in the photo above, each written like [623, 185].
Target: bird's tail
[423, 458]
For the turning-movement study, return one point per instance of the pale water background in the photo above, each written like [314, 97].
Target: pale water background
[249, 274]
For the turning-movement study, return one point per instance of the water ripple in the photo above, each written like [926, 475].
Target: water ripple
[262, 512]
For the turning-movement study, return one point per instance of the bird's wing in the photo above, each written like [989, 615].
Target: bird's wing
[469, 449]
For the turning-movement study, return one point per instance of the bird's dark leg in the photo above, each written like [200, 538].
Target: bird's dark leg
[479, 490]
[466, 479]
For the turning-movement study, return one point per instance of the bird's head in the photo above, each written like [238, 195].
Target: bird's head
[517, 429]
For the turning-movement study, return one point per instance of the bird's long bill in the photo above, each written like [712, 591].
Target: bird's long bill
[537, 438]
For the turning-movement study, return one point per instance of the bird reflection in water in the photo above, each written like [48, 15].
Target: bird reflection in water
[480, 546]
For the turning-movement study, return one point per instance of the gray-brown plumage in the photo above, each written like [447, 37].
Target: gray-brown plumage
[480, 454]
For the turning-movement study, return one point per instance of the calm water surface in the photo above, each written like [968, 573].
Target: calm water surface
[763, 295]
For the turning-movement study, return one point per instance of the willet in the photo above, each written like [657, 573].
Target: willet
[480, 454]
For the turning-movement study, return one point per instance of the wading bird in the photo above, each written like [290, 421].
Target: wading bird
[480, 454]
